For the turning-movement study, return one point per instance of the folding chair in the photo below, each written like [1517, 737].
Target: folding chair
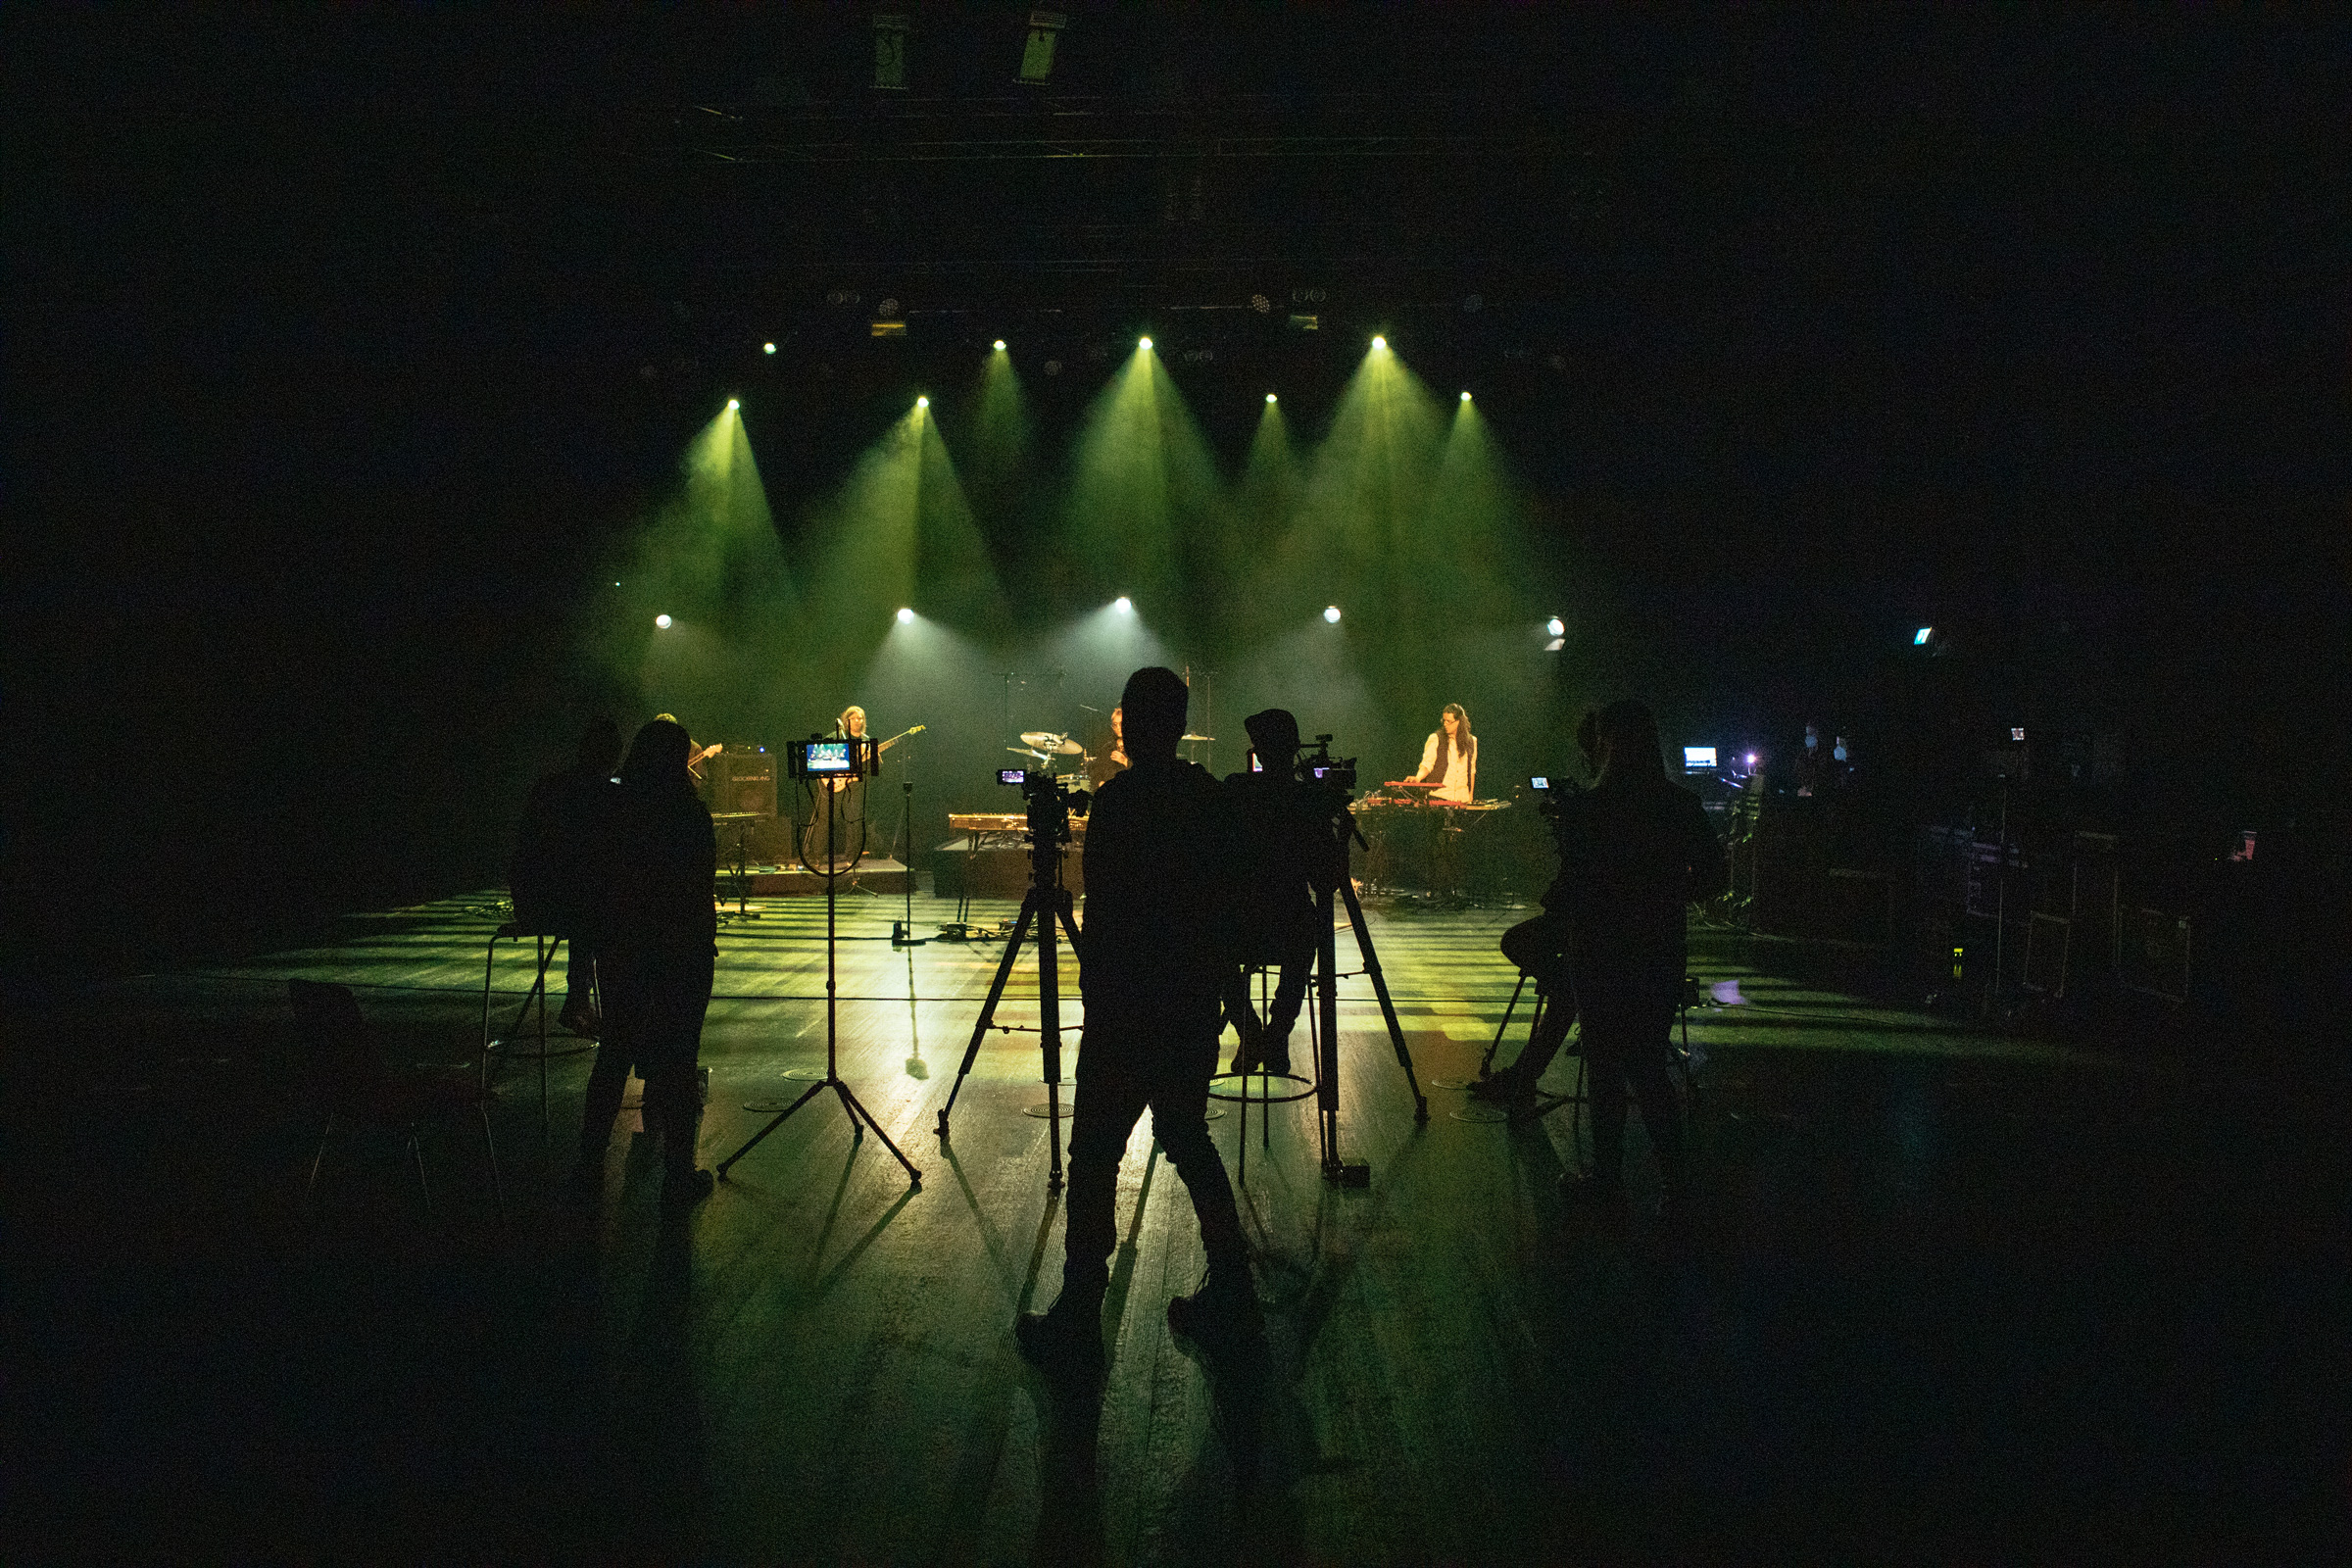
[350, 1085]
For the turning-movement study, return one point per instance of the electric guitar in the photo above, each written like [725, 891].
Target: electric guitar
[847, 835]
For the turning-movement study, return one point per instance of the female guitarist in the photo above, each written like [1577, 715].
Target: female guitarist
[840, 822]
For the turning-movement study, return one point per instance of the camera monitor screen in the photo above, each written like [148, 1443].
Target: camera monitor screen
[1698, 759]
[1012, 775]
[1540, 784]
[830, 757]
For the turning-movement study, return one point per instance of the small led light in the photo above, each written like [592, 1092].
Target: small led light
[767, 348]
[905, 617]
[662, 621]
[1123, 604]
[1751, 758]
[1919, 639]
[1556, 627]
[1331, 613]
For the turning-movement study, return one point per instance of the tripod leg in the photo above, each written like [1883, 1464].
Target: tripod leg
[1388, 1008]
[857, 1109]
[987, 1012]
[1486, 1068]
[728, 1163]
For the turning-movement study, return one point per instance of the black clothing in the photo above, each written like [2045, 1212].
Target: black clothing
[1288, 857]
[660, 926]
[1633, 854]
[1156, 947]
[1133, 1057]
[1159, 883]
[560, 851]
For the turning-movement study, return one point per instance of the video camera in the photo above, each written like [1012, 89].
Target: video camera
[1316, 765]
[1050, 802]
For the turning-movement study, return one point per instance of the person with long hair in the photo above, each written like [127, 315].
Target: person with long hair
[1449, 758]
[1634, 850]
[658, 935]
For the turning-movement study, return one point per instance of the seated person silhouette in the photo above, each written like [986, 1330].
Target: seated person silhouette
[1153, 954]
[660, 932]
[1538, 948]
[555, 873]
[1288, 857]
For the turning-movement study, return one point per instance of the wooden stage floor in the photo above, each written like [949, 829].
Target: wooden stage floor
[1946, 1297]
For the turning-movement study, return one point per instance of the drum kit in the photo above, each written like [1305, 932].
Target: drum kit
[1053, 751]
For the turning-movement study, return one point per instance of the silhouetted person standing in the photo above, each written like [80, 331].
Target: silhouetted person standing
[558, 868]
[660, 930]
[1634, 852]
[1153, 954]
[1289, 855]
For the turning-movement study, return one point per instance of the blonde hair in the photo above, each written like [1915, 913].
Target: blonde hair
[843, 723]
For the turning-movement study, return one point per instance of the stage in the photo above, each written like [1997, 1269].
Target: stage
[1945, 1296]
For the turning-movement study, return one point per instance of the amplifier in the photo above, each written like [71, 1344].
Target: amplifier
[743, 780]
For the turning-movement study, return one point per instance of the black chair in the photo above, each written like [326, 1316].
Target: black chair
[349, 1085]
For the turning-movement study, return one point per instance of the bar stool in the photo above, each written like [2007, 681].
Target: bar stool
[549, 942]
[1295, 1088]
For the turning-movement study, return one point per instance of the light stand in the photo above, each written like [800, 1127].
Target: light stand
[1045, 903]
[863, 761]
[902, 933]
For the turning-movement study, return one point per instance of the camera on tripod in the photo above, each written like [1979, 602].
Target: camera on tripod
[1051, 801]
[1316, 765]
[820, 758]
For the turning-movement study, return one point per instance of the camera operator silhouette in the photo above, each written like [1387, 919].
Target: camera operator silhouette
[1156, 947]
[658, 931]
[1635, 849]
[1289, 855]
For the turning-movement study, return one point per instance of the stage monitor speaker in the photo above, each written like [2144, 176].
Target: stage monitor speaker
[744, 780]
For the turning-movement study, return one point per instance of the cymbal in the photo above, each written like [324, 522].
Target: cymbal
[1207, 739]
[735, 816]
[1023, 751]
[1045, 739]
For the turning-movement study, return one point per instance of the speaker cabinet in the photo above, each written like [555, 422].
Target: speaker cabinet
[743, 780]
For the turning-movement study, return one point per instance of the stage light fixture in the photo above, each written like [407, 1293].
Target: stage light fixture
[1269, 397]
[1331, 613]
[1465, 397]
[1144, 343]
[1751, 761]
[733, 404]
[1379, 343]
[767, 348]
[1000, 345]
[1123, 604]
[922, 402]
[1920, 638]
[905, 617]
[1556, 627]
[662, 621]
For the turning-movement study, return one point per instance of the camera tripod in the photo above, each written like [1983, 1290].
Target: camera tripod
[1045, 903]
[1343, 1172]
[861, 1118]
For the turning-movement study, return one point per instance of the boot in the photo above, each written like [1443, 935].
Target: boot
[1224, 1308]
[1067, 1337]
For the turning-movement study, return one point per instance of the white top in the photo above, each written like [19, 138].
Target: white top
[1460, 783]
